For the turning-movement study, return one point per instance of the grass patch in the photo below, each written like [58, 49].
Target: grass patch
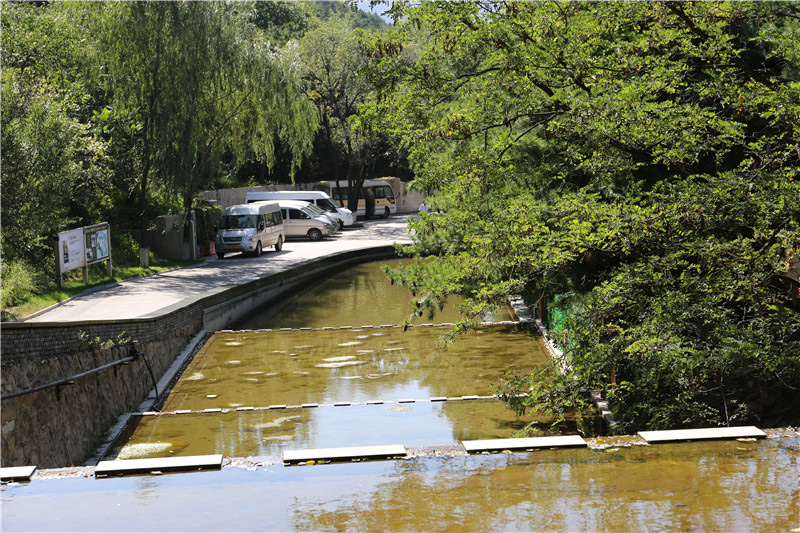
[74, 285]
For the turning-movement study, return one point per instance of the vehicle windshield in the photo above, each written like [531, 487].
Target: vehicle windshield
[311, 208]
[238, 221]
[384, 192]
[313, 211]
[327, 205]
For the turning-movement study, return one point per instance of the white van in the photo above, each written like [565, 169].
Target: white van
[317, 211]
[302, 219]
[321, 199]
[250, 228]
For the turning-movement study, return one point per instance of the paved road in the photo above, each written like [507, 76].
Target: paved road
[142, 296]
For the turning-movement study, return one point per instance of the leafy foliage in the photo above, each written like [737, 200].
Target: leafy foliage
[205, 89]
[643, 156]
[53, 156]
[17, 282]
[337, 84]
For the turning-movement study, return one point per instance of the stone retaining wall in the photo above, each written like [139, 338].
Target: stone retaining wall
[60, 426]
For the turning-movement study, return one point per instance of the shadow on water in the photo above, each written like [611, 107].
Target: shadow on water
[360, 295]
[358, 364]
[328, 366]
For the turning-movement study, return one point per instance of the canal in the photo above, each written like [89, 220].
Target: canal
[339, 342]
[348, 379]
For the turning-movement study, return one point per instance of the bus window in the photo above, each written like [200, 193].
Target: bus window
[384, 192]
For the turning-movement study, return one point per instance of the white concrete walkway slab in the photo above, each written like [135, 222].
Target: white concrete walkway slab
[144, 296]
[532, 443]
[687, 435]
[390, 451]
[16, 473]
[165, 464]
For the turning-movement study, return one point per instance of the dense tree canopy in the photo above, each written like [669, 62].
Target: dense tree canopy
[53, 154]
[202, 85]
[338, 85]
[640, 157]
[111, 105]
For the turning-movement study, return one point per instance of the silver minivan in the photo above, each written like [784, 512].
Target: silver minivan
[300, 219]
[249, 228]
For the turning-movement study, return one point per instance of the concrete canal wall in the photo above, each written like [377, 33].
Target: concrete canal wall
[61, 426]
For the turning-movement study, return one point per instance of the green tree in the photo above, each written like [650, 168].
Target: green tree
[338, 86]
[204, 90]
[54, 164]
[643, 156]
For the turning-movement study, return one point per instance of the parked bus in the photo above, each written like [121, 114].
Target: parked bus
[377, 197]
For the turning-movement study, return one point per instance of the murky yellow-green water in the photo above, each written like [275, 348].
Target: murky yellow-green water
[356, 364]
[360, 295]
[271, 432]
[260, 369]
[715, 486]
[268, 368]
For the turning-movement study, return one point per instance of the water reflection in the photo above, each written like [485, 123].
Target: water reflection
[260, 369]
[267, 368]
[714, 486]
[271, 432]
[697, 486]
[360, 295]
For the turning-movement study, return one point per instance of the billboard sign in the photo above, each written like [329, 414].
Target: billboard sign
[71, 252]
[97, 243]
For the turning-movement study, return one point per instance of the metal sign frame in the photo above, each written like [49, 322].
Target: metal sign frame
[81, 247]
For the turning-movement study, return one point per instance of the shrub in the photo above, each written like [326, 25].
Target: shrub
[207, 216]
[18, 282]
[124, 249]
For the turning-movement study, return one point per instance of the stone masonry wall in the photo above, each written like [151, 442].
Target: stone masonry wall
[60, 426]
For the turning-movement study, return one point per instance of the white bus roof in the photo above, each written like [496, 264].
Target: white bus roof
[255, 208]
[345, 183]
[275, 195]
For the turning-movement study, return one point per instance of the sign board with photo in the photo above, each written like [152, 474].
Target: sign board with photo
[81, 247]
[97, 243]
[71, 253]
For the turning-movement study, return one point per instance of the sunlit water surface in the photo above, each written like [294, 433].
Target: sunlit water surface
[359, 295]
[255, 368]
[717, 486]
[292, 368]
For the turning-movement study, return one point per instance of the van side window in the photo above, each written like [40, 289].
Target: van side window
[295, 214]
[277, 218]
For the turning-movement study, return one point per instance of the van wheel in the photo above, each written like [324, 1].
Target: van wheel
[386, 212]
[341, 225]
[279, 244]
[314, 234]
[258, 249]
[220, 255]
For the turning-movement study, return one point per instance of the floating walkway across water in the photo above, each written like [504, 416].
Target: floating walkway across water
[689, 435]
[399, 452]
[166, 464]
